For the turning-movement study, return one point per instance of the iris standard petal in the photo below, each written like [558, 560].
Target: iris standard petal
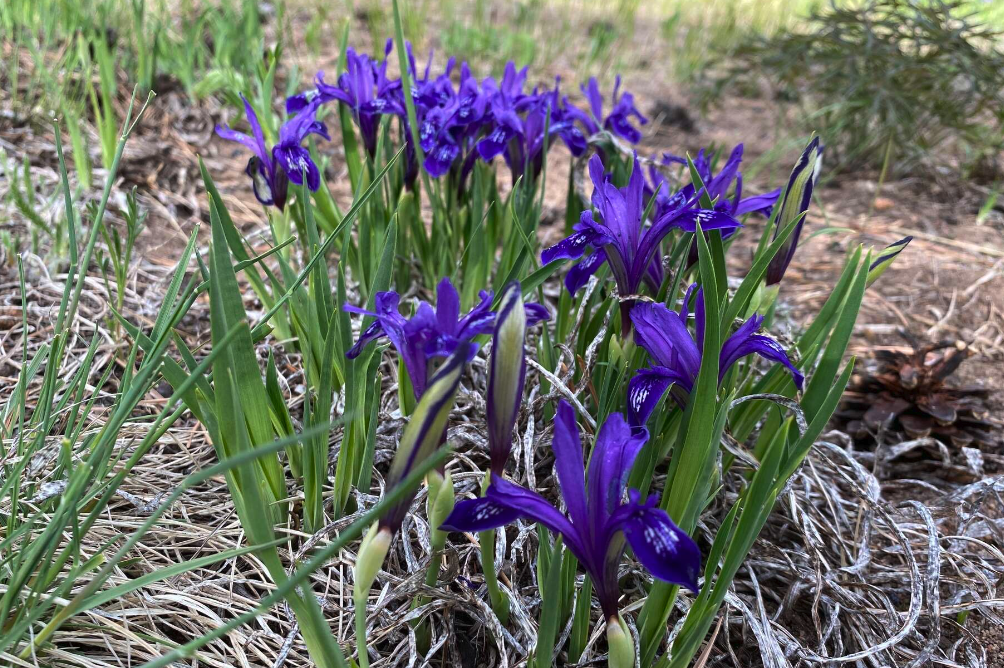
[568, 464]
[662, 333]
[616, 447]
[447, 307]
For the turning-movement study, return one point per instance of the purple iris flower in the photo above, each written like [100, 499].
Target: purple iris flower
[676, 355]
[717, 187]
[433, 331]
[364, 88]
[545, 112]
[271, 171]
[622, 239]
[448, 130]
[506, 101]
[618, 121]
[600, 522]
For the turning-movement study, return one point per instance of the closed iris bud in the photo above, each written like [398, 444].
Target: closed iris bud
[885, 259]
[795, 204]
[507, 374]
[768, 295]
[372, 552]
[620, 644]
[439, 505]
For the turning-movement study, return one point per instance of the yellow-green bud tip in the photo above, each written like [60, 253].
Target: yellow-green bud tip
[620, 644]
[372, 552]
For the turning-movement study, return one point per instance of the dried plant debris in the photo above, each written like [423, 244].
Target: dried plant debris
[910, 396]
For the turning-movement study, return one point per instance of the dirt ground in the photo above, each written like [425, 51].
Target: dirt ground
[949, 284]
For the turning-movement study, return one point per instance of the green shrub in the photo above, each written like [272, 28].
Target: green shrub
[918, 79]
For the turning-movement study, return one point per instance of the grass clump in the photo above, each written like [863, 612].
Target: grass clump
[888, 78]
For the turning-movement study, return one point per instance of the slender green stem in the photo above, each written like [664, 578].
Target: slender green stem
[362, 646]
[500, 605]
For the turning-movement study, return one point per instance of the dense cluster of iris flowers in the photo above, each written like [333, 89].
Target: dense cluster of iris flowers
[457, 124]
[631, 212]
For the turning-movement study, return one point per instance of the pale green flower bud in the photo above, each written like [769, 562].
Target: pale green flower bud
[372, 552]
[620, 644]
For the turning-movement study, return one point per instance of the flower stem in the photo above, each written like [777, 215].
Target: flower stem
[361, 644]
[500, 605]
[498, 599]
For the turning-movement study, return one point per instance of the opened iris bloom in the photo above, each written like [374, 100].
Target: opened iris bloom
[676, 355]
[506, 100]
[716, 185]
[600, 521]
[433, 331]
[618, 121]
[449, 121]
[364, 88]
[271, 171]
[549, 116]
[622, 238]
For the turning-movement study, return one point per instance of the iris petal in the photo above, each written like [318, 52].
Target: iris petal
[662, 547]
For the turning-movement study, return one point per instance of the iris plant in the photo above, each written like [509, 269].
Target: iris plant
[433, 331]
[676, 355]
[622, 239]
[600, 522]
[271, 171]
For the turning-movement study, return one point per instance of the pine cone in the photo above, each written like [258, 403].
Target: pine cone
[908, 395]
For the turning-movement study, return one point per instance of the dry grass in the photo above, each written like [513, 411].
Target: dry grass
[866, 559]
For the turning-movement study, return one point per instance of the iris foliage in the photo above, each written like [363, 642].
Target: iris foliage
[662, 353]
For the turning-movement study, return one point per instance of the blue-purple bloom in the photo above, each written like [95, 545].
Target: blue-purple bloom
[618, 121]
[433, 331]
[676, 355]
[600, 522]
[449, 121]
[364, 88]
[271, 171]
[717, 187]
[622, 239]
